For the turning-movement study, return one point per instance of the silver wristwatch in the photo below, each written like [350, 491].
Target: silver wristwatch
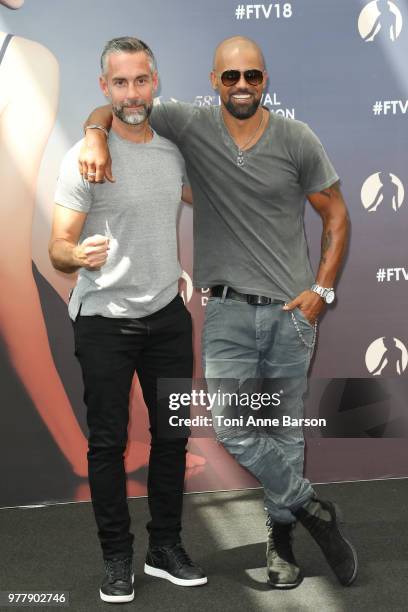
[326, 293]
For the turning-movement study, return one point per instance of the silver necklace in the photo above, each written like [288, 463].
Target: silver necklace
[240, 155]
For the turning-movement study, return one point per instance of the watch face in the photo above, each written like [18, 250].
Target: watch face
[330, 297]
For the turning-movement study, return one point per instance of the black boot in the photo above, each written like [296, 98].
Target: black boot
[283, 571]
[321, 519]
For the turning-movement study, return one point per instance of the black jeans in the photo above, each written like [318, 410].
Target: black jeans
[110, 350]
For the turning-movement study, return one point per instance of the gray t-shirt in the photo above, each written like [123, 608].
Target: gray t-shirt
[248, 222]
[138, 212]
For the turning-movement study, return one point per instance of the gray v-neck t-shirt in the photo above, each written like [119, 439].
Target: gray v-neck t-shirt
[248, 221]
[139, 215]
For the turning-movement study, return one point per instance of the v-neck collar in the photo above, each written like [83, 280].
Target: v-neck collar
[230, 142]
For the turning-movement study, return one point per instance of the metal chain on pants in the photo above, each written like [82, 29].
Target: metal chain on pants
[301, 336]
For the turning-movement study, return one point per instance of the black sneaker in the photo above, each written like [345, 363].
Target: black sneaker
[117, 586]
[321, 519]
[283, 571]
[171, 562]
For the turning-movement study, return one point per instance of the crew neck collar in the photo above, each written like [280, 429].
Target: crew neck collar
[115, 136]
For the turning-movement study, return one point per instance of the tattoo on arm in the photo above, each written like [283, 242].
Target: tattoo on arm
[332, 191]
[326, 243]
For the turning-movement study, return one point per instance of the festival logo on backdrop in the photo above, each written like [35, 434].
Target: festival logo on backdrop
[383, 189]
[380, 18]
[386, 356]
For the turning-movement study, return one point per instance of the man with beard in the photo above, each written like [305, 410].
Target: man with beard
[128, 316]
[250, 172]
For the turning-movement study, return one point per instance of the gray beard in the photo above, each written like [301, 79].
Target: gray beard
[135, 118]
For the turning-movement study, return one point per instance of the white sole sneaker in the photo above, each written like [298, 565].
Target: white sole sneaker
[118, 598]
[159, 573]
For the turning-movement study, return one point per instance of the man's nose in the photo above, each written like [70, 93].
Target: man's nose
[242, 84]
[133, 90]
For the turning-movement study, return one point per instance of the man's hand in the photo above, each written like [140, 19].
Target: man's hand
[92, 253]
[95, 163]
[310, 303]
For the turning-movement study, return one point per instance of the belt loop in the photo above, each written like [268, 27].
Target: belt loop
[224, 294]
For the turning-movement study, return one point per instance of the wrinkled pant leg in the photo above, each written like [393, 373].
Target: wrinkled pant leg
[167, 356]
[231, 356]
[284, 366]
[107, 369]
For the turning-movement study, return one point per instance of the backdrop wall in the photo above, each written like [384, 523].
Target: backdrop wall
[339, 66]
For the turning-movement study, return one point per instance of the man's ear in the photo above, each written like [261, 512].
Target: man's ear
[213, 80]
[266, 79]
[155, 81]
[104, 86]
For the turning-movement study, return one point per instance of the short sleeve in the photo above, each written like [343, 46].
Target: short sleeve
[316, 171]
[170, 119]
[182, 163]
[184, 178]
[72, 190]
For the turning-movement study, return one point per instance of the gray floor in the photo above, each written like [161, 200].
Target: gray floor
[55, 548]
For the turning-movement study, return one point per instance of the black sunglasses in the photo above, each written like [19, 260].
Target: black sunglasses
[231, 77]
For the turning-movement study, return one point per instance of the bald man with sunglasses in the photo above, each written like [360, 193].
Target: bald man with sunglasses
[250, 172]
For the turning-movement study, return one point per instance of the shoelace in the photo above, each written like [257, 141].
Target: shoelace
[280, 536]
[279, 531]
[180, 556]
[118, 569]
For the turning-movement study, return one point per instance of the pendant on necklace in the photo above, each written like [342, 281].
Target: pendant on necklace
[240, 158]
